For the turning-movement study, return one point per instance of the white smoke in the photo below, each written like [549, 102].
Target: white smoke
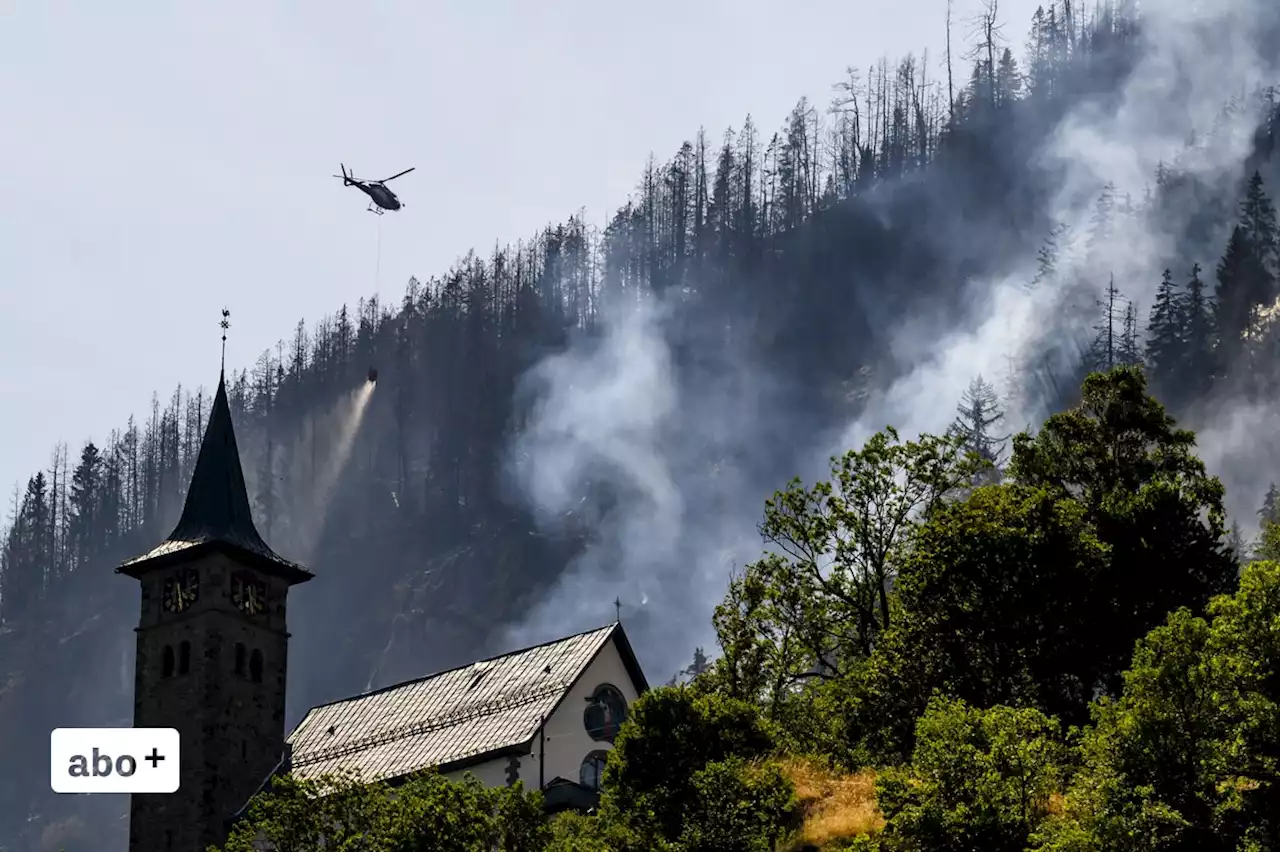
[612, 425]
[1194, 58]
[675, 457]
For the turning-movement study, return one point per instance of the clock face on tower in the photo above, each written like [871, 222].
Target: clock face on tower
[248, 594]
[181, 590]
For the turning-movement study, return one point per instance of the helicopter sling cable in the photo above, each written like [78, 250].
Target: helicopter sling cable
[377, 259]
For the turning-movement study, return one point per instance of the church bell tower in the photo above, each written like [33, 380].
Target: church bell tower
[212, 651]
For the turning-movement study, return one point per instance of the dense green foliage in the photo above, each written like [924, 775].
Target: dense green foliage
[425, 813]
[977, 779]
[1068, 660]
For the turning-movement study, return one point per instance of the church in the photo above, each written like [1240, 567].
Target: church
[212, 660]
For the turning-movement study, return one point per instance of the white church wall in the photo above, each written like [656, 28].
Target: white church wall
[493, 773]
[567, 740]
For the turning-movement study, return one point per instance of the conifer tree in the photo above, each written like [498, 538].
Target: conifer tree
[1104, 353]
[1102, 223]
[1270, 510]
[1195, 322]
[1235, 544]
[1247, 271]
[1047, 258]
[1130, 348]
[978, 414]
[84, 504]
[1237, 294]
[1164, 348]
[1258, 219]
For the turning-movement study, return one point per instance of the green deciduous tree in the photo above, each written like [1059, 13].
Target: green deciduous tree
[1034, 591]
[994, 609]
[978, 779]
[671, 735]
[1148, 500]
[818, 601]
[1188, 758]
[738, 806]
[426, 813]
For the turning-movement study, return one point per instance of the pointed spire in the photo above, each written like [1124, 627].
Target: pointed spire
[217, 500]
[217, 512]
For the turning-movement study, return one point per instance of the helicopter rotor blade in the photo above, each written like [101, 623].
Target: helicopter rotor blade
[398, 174]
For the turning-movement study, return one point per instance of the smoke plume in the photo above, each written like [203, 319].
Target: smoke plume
[679, 460]
[654, 466]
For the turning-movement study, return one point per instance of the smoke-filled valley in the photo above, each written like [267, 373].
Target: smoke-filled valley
[598, 413]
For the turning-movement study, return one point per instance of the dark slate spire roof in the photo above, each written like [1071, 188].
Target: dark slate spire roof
[217, 514]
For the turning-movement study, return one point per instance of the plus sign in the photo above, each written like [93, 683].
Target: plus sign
[155, 757]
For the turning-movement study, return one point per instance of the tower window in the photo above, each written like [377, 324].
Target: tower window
[239, 658]
[166, 662]
[184, 657]
[255, 666]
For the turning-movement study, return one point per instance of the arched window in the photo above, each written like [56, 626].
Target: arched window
[606, 711]
[240, 659]
[255, 666]
[166, 662]
[592, 770]
[184, 657]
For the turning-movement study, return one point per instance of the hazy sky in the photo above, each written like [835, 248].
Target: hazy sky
[161, 160]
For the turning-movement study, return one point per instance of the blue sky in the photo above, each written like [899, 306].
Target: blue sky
[161, 160]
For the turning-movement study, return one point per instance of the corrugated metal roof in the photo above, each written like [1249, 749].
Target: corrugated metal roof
[444, 718]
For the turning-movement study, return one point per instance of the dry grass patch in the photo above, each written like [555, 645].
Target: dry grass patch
[834, 806]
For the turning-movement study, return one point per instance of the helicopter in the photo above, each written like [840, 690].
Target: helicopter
[381, 198]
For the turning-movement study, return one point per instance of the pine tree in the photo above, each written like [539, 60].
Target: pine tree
[1247, 271]
[1130, 347]
[1047, 258]
[26, 551]
[1195, 323]
[1258, 220]
[1235, 544]
[1269, 509]
[1238, 292]
[979, 412]
[1164, 348]
[84, 504]
[1105, 351]
[1102, 223]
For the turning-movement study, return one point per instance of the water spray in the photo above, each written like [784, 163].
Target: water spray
[350, 415]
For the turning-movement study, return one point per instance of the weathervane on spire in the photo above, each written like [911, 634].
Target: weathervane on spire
[226, 324]
[617, 609]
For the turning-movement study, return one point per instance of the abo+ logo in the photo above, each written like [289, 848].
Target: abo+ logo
[114, 760]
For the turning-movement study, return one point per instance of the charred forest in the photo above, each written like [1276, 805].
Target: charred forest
[780, 271]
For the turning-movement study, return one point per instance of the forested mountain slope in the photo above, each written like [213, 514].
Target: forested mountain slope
[595, 413]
